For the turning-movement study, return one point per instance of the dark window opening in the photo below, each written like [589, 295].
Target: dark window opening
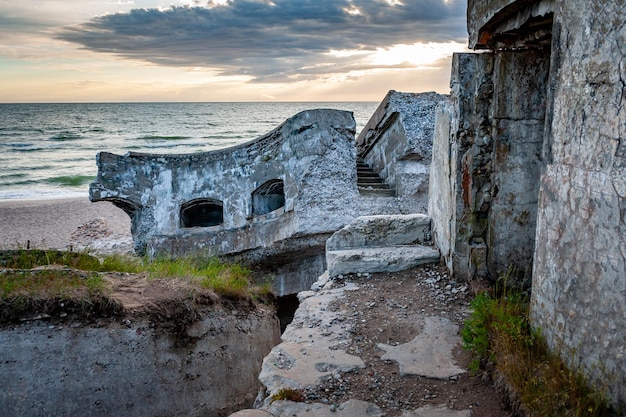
[268, 197]
[202, 213]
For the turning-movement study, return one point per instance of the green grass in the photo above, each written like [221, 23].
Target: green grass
[288, 394]
[51, 283]
[500, 336]
[229, 280]
[28, 259]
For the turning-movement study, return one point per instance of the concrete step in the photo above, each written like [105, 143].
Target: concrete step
[369, 182]
[373, 192]
[364, 182]
[367, 174]
[386, 243]
[379, 259]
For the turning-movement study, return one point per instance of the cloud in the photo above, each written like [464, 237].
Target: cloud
[271, 41]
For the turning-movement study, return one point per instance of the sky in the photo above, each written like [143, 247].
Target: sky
[226, 50]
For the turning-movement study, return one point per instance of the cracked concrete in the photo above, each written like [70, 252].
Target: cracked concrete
[430, 353]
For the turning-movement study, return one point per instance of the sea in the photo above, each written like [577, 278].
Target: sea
[48, 150]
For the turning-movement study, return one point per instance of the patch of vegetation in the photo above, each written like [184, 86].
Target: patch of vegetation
[53, 292]
[32, 258]
[227, 280]
[498, 332]
[288, 394]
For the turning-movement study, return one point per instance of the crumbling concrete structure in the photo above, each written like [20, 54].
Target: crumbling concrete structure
[397, 143]
[529, 170]
[271, 202]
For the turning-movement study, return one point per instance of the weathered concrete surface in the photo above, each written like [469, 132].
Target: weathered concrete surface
[314, 347]
[379, 259]
[272, 201]
[325, 328]
[495, 24]
[397, 141]
[304, 153]
[579, 277]
[380, 244]
[544, 108]
[133, 369]
[442, 184]
[436, 412]
[486, 163]
[352, 408]
[307, 352]
[381, 231]
[461, 187]
[430, 353]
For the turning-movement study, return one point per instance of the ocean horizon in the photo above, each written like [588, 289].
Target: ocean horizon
[48, 150]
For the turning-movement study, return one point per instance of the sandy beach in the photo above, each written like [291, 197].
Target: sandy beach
[75, 223]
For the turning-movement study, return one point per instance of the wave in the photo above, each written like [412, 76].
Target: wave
[71, 180]
[159, 137]
[32, 148]
[14, 183]
[17, 145]
[12, 176]
[64, 136]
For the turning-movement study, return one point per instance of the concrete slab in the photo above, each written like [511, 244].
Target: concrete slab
[352, 408]
[379, 259]
[430, 353]
[309, 350]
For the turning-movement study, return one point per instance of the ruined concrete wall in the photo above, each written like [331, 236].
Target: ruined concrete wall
[462, 150]
[397, 143]
[312, 153]
[518, 117]
[273, 201]
[133, 369]
[498, 22]
[486, 163]
[579, 279]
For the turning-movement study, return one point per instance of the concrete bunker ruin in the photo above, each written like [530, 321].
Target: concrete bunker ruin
[274, 201]
[529, 172]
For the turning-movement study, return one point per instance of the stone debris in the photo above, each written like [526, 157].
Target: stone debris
[97, 237]
[352, 331]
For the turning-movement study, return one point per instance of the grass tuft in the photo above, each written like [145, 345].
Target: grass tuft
[499, 334]
[227, 280]
[288, 394]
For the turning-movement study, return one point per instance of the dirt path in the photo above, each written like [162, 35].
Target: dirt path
[390, 310]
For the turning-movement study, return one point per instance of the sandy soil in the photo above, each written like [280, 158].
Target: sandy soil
[73, 223]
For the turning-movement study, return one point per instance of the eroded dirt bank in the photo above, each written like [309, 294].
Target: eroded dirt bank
[166, 352]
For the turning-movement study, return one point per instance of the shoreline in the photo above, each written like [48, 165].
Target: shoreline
[65, 223]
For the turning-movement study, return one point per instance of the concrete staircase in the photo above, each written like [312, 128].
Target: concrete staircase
[370, 183]
[386, 243]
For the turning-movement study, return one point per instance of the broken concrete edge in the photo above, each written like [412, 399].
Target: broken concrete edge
[381, 230]
[304, 357]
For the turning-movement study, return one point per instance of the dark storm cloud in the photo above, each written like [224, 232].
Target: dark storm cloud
[270, 41]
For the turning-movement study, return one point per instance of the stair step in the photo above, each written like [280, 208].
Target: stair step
[369, 182]
[379, 259]
[377, 193]
[367, 187]
[367, 174]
